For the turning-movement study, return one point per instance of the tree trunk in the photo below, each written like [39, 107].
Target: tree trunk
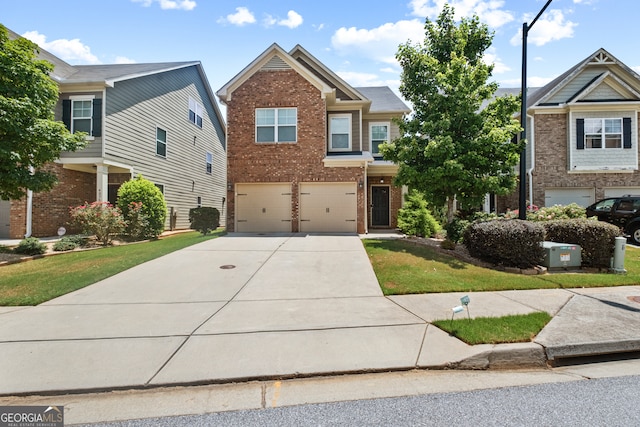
[450, 209]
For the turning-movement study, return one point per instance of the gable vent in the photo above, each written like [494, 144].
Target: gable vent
[276, 63]
[601, 58]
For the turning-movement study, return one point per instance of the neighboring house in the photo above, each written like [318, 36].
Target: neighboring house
[583, 135]
[160, 121]
[302, 148]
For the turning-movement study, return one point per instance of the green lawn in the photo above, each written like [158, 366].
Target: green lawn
[496, 330]
[37, 281]
[403, 267]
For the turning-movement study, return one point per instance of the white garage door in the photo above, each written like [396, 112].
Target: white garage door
[621, 191]
[565, 196]
[328, 207]
[263, 208]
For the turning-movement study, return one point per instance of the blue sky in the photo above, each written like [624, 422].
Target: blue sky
[356, 39]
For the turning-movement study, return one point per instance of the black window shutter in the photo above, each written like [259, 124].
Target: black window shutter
[580, 134]
[66, 113]
[97, 117]
[626, 132]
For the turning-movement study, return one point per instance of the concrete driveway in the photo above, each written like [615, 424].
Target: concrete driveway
[240, 306]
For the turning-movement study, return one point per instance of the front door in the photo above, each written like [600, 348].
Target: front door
[380, 206]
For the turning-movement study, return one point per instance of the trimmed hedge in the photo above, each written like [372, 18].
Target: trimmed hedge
[596, 238]
[204, 219]
[511, 243]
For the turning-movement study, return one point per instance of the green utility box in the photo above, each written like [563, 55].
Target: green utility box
[561, 255]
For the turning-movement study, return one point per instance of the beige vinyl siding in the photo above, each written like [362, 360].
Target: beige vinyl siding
[136, 107]
[394, 131]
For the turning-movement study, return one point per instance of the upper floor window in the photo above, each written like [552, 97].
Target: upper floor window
[209, 163]
[276, 124]
[195, 112]
[340, 132]
[83, 113]
[160, 187]
[161, 142]
[603, 133]
[379, 134]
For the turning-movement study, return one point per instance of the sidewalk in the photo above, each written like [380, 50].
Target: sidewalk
[244, 307]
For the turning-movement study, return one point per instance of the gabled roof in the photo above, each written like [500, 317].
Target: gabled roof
[383, 100]
[606, 72]
[272, 58]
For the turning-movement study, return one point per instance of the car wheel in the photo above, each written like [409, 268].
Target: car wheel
[635, 234]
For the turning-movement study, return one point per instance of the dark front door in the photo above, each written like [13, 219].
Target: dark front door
[380, 206]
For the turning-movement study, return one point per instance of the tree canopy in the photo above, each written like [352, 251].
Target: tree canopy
[29, 135]
[457, 142]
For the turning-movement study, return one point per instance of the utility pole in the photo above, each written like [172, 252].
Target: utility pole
[522, 202]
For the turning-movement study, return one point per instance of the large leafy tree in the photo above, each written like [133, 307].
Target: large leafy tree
[29, 136]
[457, 143]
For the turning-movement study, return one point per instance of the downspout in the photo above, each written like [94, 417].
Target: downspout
[533, 160]
[29, 209]
[365, 188]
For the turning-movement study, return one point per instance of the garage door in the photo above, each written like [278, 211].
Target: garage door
[621, 191]
[263, 208]
[565, 196]
[328, 207]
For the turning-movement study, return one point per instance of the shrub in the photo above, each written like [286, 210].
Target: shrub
[448, 244]
[596, 238]
[64, 244]
[456, 228]
[571, 211]
[512, 243]
[30, 246]
[78, 239]
[147, 220]
[414, 219]
[99, 219]
[204, 219]
[5, 249]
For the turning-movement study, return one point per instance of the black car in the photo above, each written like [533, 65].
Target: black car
[621, 211]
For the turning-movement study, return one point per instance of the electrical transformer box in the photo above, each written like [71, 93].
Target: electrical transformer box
[561, 255]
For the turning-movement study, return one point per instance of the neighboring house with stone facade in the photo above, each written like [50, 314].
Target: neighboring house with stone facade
[583, 135]
[159, 120]
[302, 148]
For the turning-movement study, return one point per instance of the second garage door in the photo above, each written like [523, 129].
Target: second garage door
[328, 207]
[263, 208]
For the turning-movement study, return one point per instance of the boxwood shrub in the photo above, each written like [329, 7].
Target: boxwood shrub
[511, 243]
[596, 238]
[204, 219]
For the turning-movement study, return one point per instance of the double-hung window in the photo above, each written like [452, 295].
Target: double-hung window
[161, 142]
[379, 134]
[195, 112]
[340, 132]
[209, 163]
[276, 125]
[603, 133]
[81, 115]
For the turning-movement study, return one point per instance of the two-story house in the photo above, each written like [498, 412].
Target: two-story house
[583, 135]
[158, 120]
[302, 148]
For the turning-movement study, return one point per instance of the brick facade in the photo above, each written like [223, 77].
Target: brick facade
[249, 162]
[551, 165]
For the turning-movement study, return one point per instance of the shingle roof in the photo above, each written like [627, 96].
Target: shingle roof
[114, 72]
[383, 100]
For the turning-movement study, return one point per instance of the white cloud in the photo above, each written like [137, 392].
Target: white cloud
[170, 4]
[124, 60]
[318, 27]
[379, 43]
[242, 17]
[355, 78]
[68, 50]
[490, 12]
[491, 57]
[532, 81]
[551, 26]
[293, 20]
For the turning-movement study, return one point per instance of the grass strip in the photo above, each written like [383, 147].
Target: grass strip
[40, 280]
[496, 330]
[404, 267]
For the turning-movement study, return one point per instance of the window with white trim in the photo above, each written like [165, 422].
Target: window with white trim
[209, 163]
[161, 142]
[603, 133]
[340, 132]
[378, 134]
[276, 125]
[195, 112]
[82, 115]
